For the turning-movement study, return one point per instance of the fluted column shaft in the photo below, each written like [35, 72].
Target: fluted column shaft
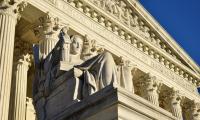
[8, 21]
[20, 78]
[47, 45]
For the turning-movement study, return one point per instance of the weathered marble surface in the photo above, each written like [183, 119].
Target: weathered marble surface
[81, 75]
[113, 104]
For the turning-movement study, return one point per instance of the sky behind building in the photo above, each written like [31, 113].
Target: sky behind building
[181, 19]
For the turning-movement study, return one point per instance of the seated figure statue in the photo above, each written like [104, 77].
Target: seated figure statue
[95, 70]
[83, 65]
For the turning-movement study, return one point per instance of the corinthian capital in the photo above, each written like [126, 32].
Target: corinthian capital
[12, 7]
[23, 51]
[194, 110]
[25, 60]
[150, 82]
[49, 27]
[175, 97]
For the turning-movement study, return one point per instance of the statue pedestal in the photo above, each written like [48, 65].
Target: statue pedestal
[113, 104]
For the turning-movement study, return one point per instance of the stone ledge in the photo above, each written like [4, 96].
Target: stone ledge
[113, 104]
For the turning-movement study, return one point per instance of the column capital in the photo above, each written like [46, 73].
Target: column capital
[49, 27]
[194, 110]
[150, 82]
[175, 96]
[22, 53]
[173, 102]
[25, 60]
[149, 88]
[12, 8]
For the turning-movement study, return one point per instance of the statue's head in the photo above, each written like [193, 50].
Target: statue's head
[76, 45]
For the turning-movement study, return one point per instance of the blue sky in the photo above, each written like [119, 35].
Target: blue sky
[181, 19]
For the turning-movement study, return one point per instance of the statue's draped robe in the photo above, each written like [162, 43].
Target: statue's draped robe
[98, 72]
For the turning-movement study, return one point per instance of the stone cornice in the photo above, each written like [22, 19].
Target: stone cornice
[163, 33]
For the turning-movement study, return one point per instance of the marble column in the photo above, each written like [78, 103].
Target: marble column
[8, 19]
[149, 86]
[174, 102]
[20, 78]
[47, 33]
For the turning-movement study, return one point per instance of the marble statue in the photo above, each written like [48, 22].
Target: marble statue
[75, 65]
[97, 71]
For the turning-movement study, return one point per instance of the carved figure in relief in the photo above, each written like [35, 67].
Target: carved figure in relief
[110, 5]
[134, 21]
[144, 29]
[127, 16]
[121, 7]
[153, 38]
[99, 3]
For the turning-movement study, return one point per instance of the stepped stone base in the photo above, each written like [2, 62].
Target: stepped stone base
[113, 104]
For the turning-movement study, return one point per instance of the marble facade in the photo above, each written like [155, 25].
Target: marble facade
[143, 74]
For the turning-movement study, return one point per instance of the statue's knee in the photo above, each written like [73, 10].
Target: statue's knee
[108, 58]
[107, 55]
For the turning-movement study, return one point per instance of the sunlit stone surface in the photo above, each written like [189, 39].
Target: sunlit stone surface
[92, 60]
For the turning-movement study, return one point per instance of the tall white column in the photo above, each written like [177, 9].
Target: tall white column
[8, 19]
[174, 101]
[48, 34]
[20, 78]
[149, 86]
[21, 63]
